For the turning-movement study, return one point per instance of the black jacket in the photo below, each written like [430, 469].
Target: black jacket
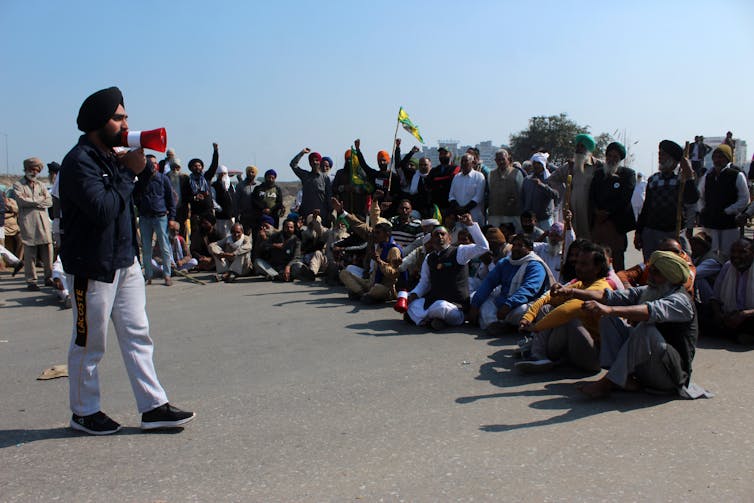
[612, 193]
[98, 223]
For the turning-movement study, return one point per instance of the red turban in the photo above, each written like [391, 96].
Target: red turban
[382, 155]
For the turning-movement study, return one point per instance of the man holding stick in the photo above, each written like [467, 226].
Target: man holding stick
[657, 219]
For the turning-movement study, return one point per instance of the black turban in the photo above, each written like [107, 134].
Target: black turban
[672, 149]
[98, 108]
[618, 147]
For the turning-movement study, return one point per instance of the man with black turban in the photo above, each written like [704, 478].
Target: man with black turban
[100, 251]
[655, 348]
[657, 219]
[610, 202]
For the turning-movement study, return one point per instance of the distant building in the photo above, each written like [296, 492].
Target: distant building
[486, 151]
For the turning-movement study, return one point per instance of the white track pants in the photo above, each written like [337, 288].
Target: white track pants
[447, 312]
[124, 302]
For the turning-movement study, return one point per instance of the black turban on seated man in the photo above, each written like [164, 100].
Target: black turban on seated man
[98, 108]
[672, 149]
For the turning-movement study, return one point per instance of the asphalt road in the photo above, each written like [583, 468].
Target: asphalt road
[302, 395]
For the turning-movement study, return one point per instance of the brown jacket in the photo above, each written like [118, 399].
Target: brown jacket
[33, 219]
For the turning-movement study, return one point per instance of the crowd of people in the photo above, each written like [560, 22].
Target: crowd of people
[525, 249]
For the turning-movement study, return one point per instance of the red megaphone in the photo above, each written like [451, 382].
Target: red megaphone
[401, 305]
[155, 139]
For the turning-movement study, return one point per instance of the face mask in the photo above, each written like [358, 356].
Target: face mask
[226, 182]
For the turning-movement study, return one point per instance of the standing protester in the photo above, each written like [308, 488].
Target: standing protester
[315, 185]
[267, 199]
[245, 201]
[197, 192]
[506, 183]
[537, 196]
[610, 199]
[100, 252]
[54, 169]
[12, 232]
[723, 195]
[224, 196]
[178, 181]
[467, 190]
[167, 162]
[658, 216]
[582, 169]
[33, 199]
[156, 205]
[440, 178]
[699, 151]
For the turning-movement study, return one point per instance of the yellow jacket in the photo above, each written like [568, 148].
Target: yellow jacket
[565, 311]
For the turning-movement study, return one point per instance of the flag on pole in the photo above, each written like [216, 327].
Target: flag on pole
[408, 125]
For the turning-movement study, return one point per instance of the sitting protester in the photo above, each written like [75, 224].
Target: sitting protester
[200, 241]
[181, 258]
[232, 254]
[563, 331]
[519, 278]
[442, 294]
[278, 252]
[655, 346]
[377, 283]
[733, 297]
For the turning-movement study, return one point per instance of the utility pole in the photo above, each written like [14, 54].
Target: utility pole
[7, 162]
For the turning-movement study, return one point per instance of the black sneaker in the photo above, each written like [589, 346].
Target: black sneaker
[165, 416]
[95, 424]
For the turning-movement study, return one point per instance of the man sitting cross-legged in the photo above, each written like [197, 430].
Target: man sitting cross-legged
[656, 347]
[504, 295]
[232, 254]
[443, 290]
[376, 283]
[564, 331]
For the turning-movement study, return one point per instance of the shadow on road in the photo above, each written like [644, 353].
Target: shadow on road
[11, 438]
[565, 396]
[386, 328]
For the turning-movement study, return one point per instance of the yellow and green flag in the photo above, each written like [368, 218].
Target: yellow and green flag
[408, 125]
[358, 175]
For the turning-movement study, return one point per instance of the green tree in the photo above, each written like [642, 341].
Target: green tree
[554, 134]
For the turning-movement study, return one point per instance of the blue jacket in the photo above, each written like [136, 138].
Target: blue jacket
[532, 286]
[157, 198]
[98, 223]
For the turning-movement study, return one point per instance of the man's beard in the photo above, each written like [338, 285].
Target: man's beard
[654, 292]
[554, 248]
[578, 161]
[668, 165]
[610, 169]
[111, 141]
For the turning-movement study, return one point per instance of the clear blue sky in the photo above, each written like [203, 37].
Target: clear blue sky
[265, 79]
